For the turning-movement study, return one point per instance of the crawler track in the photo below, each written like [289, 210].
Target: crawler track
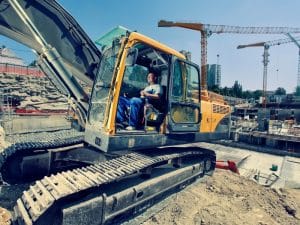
[31, 142]
[47, 197]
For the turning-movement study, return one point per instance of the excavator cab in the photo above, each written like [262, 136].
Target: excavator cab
[124, 67]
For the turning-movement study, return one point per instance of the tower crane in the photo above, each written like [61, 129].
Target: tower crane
[207, 30]
[295, 40]
[266, 45]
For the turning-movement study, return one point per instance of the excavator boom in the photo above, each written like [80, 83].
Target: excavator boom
[66, 54]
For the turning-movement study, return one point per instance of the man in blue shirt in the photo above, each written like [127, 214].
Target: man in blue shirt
[152, 92]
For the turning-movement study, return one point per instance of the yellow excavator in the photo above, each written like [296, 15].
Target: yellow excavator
[99, 172]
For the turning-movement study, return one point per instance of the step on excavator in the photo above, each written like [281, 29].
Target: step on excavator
[98, 172]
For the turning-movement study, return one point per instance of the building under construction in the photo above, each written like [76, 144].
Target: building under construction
[271, 129]
[26, 91]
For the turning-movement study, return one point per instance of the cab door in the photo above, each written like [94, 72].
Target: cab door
[184, 97]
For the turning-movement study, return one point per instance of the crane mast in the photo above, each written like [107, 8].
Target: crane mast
[295, 40]
[266, 45]
[207, 30]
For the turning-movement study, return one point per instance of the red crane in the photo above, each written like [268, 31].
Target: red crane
[207, 29]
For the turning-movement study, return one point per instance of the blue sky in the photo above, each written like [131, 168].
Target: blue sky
[244, 65]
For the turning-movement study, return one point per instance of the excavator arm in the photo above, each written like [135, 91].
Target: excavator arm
[66, 53]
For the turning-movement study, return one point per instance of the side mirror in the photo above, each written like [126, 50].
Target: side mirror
[132, 56]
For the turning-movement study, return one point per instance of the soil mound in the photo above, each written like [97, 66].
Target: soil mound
[228, 199]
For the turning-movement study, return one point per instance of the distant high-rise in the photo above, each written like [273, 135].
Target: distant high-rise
[213, 75]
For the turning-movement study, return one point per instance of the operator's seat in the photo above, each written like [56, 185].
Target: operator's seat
[154, 112]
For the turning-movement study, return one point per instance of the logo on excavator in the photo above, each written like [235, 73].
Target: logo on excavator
[98, 141]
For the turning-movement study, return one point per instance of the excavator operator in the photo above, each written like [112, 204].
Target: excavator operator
[131, 118]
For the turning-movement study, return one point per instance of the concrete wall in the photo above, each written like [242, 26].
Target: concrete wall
[24, 124]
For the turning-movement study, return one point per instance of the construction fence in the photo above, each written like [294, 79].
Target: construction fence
[7, 68]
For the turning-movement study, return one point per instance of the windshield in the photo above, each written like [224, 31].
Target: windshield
[102, 85]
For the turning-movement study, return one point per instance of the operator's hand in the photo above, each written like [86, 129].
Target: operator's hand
[144, 94]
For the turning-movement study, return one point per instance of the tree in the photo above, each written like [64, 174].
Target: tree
[247, 94]
[257, 94]
[297, 92]
[225, 91]
[214, 88]
[237, 89]
[280, 91]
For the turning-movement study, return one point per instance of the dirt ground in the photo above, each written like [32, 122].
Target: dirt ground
[224, 199]
[228, 199]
